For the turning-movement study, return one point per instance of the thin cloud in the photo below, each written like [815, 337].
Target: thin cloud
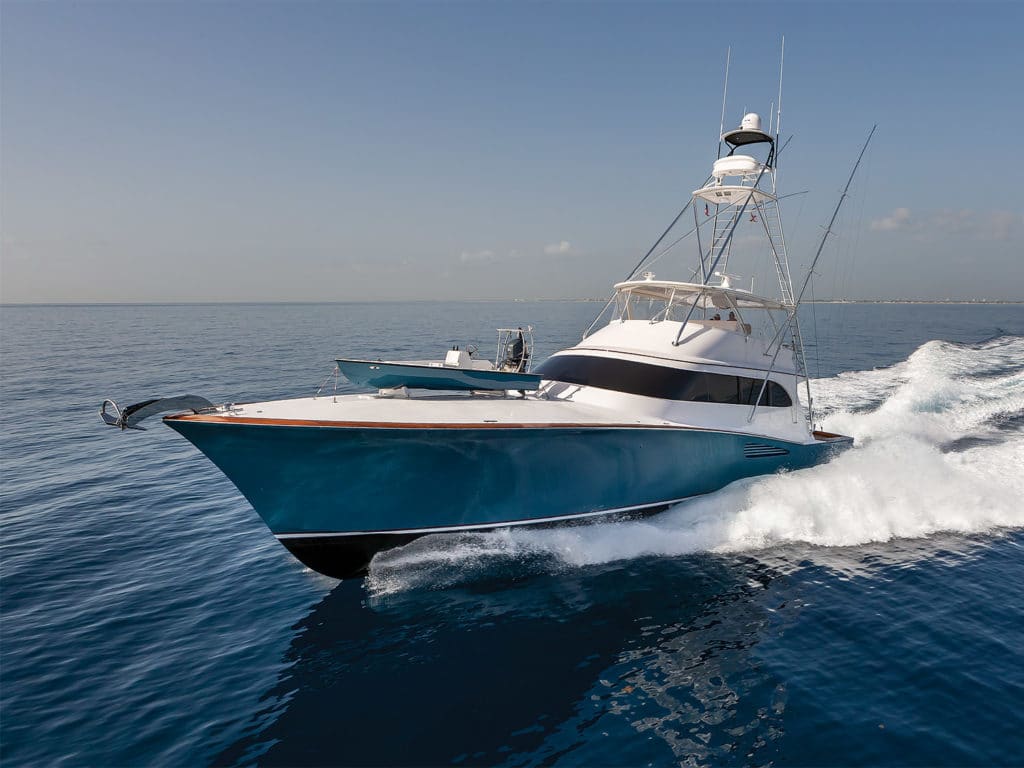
[898, 219]
[1004, 224]
[560, 248]
[999, 225]
[470, 256]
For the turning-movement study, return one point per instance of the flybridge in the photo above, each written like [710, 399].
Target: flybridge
[737, 225]
[707, 297]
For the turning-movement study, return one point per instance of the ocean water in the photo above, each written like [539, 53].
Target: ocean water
[869, 611]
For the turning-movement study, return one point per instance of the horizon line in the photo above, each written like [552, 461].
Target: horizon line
[249, 302]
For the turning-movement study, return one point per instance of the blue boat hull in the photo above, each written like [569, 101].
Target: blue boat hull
[384, 375]
[335, 495]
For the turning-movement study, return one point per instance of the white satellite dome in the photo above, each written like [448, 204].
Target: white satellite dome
[751, 122]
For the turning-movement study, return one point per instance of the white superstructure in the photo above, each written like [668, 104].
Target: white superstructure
[706, 352]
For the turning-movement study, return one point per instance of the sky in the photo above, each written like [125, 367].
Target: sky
[315, 151]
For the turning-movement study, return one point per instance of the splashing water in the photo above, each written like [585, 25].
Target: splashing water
[939, 446]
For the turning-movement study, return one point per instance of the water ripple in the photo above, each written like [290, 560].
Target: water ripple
[148, 617]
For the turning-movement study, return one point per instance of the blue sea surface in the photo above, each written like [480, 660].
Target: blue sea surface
[869, 611]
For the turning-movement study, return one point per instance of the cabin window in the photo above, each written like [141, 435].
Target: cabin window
[658, 381]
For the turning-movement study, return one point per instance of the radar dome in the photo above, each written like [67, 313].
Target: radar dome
[751, 122]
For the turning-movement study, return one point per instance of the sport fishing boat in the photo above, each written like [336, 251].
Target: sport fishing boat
[677, 389]
[461, 369]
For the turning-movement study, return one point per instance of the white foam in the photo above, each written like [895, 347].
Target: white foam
[940, 393]
[900, 480]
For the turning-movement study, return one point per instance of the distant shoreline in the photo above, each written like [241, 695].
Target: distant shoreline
[978, 302]
[983, 302]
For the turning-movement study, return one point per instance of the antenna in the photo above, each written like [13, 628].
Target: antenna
[725, 90]
[778, 113]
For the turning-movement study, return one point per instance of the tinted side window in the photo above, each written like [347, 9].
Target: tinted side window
[749, 389]
[693, 388]
[777, 396]
[658, 381]
[723, 389]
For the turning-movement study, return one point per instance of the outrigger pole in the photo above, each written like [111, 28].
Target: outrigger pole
[817, 255]
[835, 213]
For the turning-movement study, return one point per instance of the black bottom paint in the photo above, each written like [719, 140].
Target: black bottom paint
[345, 557]
[342, 557]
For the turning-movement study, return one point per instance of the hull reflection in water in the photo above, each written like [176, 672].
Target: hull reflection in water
[533, 691]
[703, 659]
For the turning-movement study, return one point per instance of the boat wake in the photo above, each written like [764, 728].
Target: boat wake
[939, 447]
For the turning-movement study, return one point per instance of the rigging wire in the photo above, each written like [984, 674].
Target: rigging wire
[835, 213]
[640, 263]
[657, 242]
[814, 325]
[821, 246]
[673, 244]
[851, 270]
[334, 373]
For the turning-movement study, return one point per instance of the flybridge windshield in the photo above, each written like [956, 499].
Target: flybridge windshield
[658, 381]
[665, 300]
[636, 307]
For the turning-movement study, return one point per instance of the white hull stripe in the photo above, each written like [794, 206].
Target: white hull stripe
[481, 526]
